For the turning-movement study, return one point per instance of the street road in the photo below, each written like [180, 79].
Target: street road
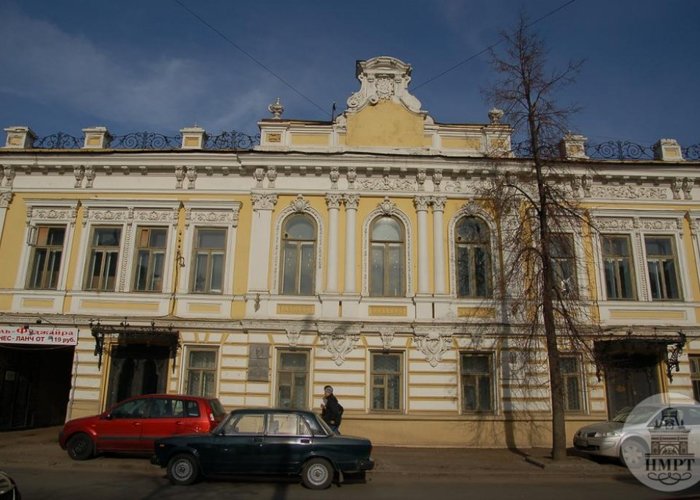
[46, 483]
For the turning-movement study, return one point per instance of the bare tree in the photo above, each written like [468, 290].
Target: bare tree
[537, 269]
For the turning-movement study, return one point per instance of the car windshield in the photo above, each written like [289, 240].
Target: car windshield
[640, 415]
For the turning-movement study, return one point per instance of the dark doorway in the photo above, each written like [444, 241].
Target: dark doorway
[34, 385]
[136, 369]
[632, 371]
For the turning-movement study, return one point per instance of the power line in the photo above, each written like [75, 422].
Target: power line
[246, 53]
[474, 56]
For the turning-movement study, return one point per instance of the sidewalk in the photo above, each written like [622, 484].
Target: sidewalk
[39, 447]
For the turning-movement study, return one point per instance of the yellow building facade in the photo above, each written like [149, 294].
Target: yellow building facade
[355, 253]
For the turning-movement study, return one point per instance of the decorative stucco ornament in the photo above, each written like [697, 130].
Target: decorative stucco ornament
[339, 345]
[383, 79]
[433, 346]
[276, 109]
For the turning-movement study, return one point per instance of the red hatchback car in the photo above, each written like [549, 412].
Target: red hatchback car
[132, 425]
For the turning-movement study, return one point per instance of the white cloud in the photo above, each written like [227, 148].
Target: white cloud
[155, 92]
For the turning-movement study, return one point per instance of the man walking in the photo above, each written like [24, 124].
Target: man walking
[331, 410]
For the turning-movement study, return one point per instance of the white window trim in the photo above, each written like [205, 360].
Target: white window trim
[473, 210]
[637, 225]
[210, 214]
[408, 246]
[277, 249]
[126, 214]
[48, 213]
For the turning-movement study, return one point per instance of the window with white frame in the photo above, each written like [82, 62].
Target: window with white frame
[209, 260]
[473, 258]
[564, 263]
[292, 379]
[298, 255]
[618, 267]
[477, 382]
[573, 386]
[694, 360]
[386, 369]
[387, 272]
[151, 244]
[45, 260]
[200, 372]
[662, 268]
[103, 261]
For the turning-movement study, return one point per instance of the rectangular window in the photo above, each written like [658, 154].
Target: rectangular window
[386, 381]
[564, 264]
[477, 383]
[571, 375]
[695, 375]
[619, 270]
[46, 258]
[663, 271]
[200, 372]
[292, 379]
[150, 259]
[209, 254]
[104, 259]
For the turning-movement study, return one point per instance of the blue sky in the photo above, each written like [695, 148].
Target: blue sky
[153, 66]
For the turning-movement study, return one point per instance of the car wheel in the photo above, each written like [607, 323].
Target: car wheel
[317, 474]
[80, 446]
[632, 453]
[183, 469]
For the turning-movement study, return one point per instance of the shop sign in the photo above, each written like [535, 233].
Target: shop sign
[38, 335]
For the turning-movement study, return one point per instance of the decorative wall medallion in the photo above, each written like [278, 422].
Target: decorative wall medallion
[383, 79]
[293, 335]
[387, 335]
[9, 173]
[688, 188]
[299, 204]
[191, 176]
[334, 175]
[5, 199]
[89, 176]
[433, 346]
[351, 176]
[420, 179]
[387, 207]
[271, 176]
[79, 173]
[339, 345]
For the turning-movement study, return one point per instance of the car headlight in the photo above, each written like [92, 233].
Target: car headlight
[609, 434]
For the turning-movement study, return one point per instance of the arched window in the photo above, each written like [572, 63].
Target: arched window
[298, 255]
[473, 258]
[387, 276]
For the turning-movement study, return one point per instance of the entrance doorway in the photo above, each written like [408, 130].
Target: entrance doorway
[34, 385]
[632, 371]
[136, 369]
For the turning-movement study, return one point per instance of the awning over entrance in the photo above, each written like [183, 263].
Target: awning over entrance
[151, 335]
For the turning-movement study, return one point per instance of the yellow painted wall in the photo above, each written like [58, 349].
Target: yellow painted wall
[385, 124]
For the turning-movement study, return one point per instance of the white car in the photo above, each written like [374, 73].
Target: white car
[628, 435]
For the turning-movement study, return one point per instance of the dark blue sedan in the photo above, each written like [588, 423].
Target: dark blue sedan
[265, 442]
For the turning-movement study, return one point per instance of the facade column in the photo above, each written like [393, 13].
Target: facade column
[5, 198]
[438, 244]
[421, 203]
[259, 265]
[333, 201]
[351, 203]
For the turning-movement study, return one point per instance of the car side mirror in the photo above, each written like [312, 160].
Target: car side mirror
[106, 416]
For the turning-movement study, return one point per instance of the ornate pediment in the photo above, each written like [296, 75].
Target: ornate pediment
[383, 79]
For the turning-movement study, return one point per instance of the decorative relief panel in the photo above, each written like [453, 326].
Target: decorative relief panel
[386, 184]
[609, 224]
[213, 216]
[628, 192]
[264, 201]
